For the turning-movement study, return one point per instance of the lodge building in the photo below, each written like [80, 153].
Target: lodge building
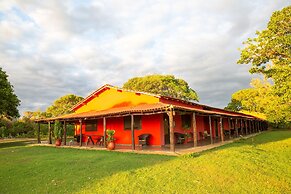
[166, 121]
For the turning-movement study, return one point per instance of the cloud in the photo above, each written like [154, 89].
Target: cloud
[52, 48]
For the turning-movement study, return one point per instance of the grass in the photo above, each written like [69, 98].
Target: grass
[36, 169]
[257, 165]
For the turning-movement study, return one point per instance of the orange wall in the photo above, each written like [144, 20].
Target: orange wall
[112, 98]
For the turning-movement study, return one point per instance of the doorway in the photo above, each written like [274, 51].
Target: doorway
[216, 127]
[166, 129]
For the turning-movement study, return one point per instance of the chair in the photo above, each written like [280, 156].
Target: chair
[180, 138]
[144, 139]
[77, 138]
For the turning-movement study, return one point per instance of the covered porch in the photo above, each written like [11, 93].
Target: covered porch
[201, 127]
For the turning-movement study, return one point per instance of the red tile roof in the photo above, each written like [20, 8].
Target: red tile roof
[141, 109]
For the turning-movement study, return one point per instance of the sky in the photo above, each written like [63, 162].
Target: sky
[53, 48]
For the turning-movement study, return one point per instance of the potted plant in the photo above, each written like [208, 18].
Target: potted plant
[110, 139]
[58, 132]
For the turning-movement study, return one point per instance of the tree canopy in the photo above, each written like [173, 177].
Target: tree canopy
[63, 105]
[8, 100]
[166, 85]
[269, 54]
[261, 99]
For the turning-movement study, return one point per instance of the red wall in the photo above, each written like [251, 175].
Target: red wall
[151, 124]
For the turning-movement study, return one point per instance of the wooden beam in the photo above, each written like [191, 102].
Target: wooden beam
[171, 124]
[80, 132]
[246, 126]
[65, 133]
[229, 126]
[38, 133]
[210, 128]
[236, 129]
[221, 130]
[132, 133]
[241, 127]
[104, 131]
[49, 133]
[194, 129]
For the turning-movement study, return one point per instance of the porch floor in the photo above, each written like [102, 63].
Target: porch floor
[180, 149]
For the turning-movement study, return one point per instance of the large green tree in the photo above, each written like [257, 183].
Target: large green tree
[166, 85]
[63, 105]
[269, 52]
[8, 100]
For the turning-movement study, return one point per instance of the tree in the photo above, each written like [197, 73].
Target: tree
[270, 52]
[63, 105]
[8, 100]
[261, 99]
[270, 55]
[166, 85]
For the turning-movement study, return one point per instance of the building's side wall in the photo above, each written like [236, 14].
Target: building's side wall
[113, 98]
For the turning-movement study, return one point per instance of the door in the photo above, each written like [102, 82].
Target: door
[216, 127]
[166, 129]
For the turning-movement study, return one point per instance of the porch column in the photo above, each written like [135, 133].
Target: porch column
[65, 133]
[104, 131]
[194, 129]
[229, 126]
[132, 132]
[171, 123]
[49, 133]
[246, 126]
[236, 129]
[80, 132]
[221, 130]
[210, 128]
[241, 126]
[38, 132]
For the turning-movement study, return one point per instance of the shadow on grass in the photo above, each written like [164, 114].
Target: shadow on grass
[260, 139]
[15, 144]
[64, 170]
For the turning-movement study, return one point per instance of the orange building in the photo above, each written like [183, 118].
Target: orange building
[168, 121]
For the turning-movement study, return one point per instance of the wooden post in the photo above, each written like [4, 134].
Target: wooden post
[65, 133]
[194, 129]
[38, 133]
[132, 133]
[246, 126]
[236, 129]
[171, 124]
[229, 126]
[210, 128]
[241, 127]
[49, 133]
[104, 131]
[221, 130]
[80, 132]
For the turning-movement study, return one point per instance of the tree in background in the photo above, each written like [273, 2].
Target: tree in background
[63, 105]
[166, 85]
[8, 100]
[270, 55]
[270, 52]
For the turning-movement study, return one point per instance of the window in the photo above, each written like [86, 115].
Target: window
[136, 124]
[91, 125]
[186, 121]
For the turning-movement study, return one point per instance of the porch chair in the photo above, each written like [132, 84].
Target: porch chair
[143, 139]
[180, 138]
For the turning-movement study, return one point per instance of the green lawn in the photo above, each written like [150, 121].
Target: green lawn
[258, 165]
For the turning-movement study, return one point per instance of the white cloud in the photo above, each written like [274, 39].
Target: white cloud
[51, 48]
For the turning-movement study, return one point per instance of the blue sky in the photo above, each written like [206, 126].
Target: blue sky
[53, 48]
